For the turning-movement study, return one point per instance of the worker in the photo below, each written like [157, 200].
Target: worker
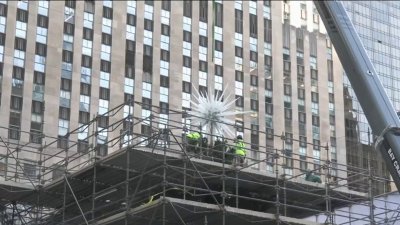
[193, 140]
[312, 178]
[240, 151]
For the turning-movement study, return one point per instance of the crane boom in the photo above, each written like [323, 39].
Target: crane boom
[361, 73]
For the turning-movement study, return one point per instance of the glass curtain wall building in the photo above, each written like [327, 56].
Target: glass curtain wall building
[378, 25]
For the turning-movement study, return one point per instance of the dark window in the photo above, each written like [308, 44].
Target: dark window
[203, 90]
[130, 46]
[301, 93]
[70, 3]
[2, 39]
[253, 26]
[253, 56]
[147, 50]
[331, 119]
[253, 80]
[267, 2]
[331, 98]
[239, 76]
[86, 61]
[38, 78]
[288, 114]
[287, 89]
[89, 6]
[18, 73]
[253, 104]
[300, 39]
[203, 66]
[186, 87]
[187, 61]
[16, 103]
[166, 5]
[203, 11]
[314, 74]
[15, 119]
[85, 89]
[106, 39]
[102, 121]
[65, 84]
[22, 15]
[3, 10]
[239, 101]
[267, 30]
[268, 84]
[20, 44]
[146, 103]
[187, 8]
[41, 49]
[105, 66]
[164, 55]
[164, 29]
[315, 121]
[330, 70]
[238, 51]
[218, 14]
[67, 56]
[314, 97]
[64, 113]
[42, 21]
[148, 25]
[302, 117]
[130, 71]
[131, 20]
[187, 36]
[164, 81]
[203, 41]
[219, 46]
[107, 12]
[87, 33]
[104, 93]
[149, 2]
[164, 108]
[238, 21]
[69, 28]
[128, 97]
[267, 60]
[219, 70]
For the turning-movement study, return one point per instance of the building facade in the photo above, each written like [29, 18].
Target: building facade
[62, 62]
[378, 26]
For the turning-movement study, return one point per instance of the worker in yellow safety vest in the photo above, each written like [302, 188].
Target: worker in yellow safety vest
[240, 150]
[193, 140]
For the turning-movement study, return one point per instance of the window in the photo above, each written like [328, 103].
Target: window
[89, 6]
[187, 36]
[238, 21]
[16, 103]
[166, 5]
[164, 29]
[64, 113]
[253, 80]
[218, 15]
[65, 84]
[41, 49]
[187, 62]
[187, 8]
[148, 25]
[107, 12]
[314, 97]
[42, 21]
[69, 29]
[106, 39]
[131, 20]
[22, 15]
[104, 93]
[203, 11]
[20, 44]
[253, 26]
[186, 87]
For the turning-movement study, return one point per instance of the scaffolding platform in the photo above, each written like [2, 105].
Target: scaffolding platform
[245, 187]
[152, 177]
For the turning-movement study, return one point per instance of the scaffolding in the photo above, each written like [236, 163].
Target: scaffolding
[150, 176]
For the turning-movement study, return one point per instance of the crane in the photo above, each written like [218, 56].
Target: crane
[361, 73]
